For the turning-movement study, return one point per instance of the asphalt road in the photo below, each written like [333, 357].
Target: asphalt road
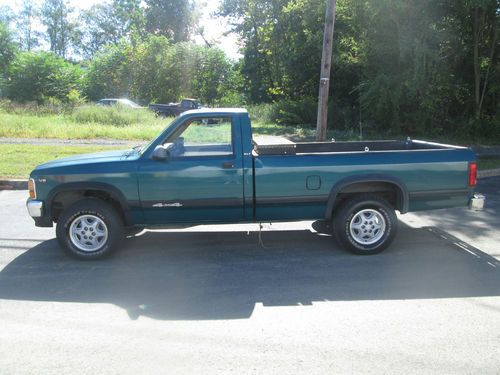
[213, 300]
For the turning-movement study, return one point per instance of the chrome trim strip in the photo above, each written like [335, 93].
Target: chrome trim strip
[438, 193]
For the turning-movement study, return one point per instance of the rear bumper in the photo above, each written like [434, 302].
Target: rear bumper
[477, 202]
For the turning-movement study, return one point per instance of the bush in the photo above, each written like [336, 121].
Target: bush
[485, 131]
[261, 112]
[52, 106]
[74, 98]
[116, 115]
[286, 112]
[41, 77]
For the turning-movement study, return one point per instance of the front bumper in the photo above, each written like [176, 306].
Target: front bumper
[35, 208]
[36, 211]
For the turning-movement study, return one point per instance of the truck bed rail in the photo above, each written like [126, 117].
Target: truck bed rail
[359, 146]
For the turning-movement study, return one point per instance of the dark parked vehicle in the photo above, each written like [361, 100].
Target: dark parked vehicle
[124, 102]
[175, 109]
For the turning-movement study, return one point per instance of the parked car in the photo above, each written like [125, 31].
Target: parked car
[175, 109]
[206, 168]
[124, 102]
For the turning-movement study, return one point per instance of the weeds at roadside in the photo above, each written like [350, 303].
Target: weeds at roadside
[36, 155]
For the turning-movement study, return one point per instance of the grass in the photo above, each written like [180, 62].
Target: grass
[111, 124]
[31, 156]
[116, 115]
[65, 127]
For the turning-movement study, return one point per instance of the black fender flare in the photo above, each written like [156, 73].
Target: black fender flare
[402, 190]
[113, 192]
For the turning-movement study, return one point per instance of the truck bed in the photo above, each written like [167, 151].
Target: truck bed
[433, 174]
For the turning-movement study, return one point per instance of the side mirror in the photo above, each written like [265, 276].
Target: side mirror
[162, 152]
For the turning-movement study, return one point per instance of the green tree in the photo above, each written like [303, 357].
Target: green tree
[403, 57]
[282, 45]
[210, 74]
[109, 73]
[429, 65]
[100, 26]
[107, 23]
[477, 21]
[164, 72]
[399, 66]
[158, 70]
[171, 18]
[254, 21]
[55, 16]
[131, 17]
[26, 18]
[6, 15]
[38, 76]
[8, 48]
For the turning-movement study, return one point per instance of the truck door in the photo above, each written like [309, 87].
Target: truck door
[201, 179]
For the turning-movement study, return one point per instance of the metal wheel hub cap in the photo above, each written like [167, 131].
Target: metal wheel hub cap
[367, 227]
[88, 233]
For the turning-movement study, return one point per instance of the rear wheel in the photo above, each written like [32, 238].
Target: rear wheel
[365, 224]
[89, 229]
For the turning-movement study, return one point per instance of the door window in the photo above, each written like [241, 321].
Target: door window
[209, 136]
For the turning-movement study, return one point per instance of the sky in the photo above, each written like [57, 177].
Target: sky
[214, 28]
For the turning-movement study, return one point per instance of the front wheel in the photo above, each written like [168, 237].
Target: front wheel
[365, 224]
[89, 229]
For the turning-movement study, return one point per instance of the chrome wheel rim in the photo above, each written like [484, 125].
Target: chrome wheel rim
[367, 227]
[88, 233]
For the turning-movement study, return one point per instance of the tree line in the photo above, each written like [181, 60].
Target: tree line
[399, 66]
[123, 48]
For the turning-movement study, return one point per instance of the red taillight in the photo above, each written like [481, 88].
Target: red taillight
[472, 174]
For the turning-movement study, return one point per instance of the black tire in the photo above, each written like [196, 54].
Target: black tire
[90, 229]
[365, 224]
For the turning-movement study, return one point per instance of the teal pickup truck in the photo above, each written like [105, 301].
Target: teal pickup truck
[206, 168]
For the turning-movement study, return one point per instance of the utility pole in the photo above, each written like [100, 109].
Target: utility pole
[326, 64]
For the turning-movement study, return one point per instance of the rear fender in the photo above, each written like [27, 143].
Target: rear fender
[402, 203]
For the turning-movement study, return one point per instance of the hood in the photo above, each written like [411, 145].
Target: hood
[93, 158]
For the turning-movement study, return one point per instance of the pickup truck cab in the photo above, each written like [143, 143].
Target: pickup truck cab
[206, 168]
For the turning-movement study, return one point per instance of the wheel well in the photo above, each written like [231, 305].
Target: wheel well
[66, 198]
[388, 191]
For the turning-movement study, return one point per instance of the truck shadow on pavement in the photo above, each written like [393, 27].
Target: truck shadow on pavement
[223, 275]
